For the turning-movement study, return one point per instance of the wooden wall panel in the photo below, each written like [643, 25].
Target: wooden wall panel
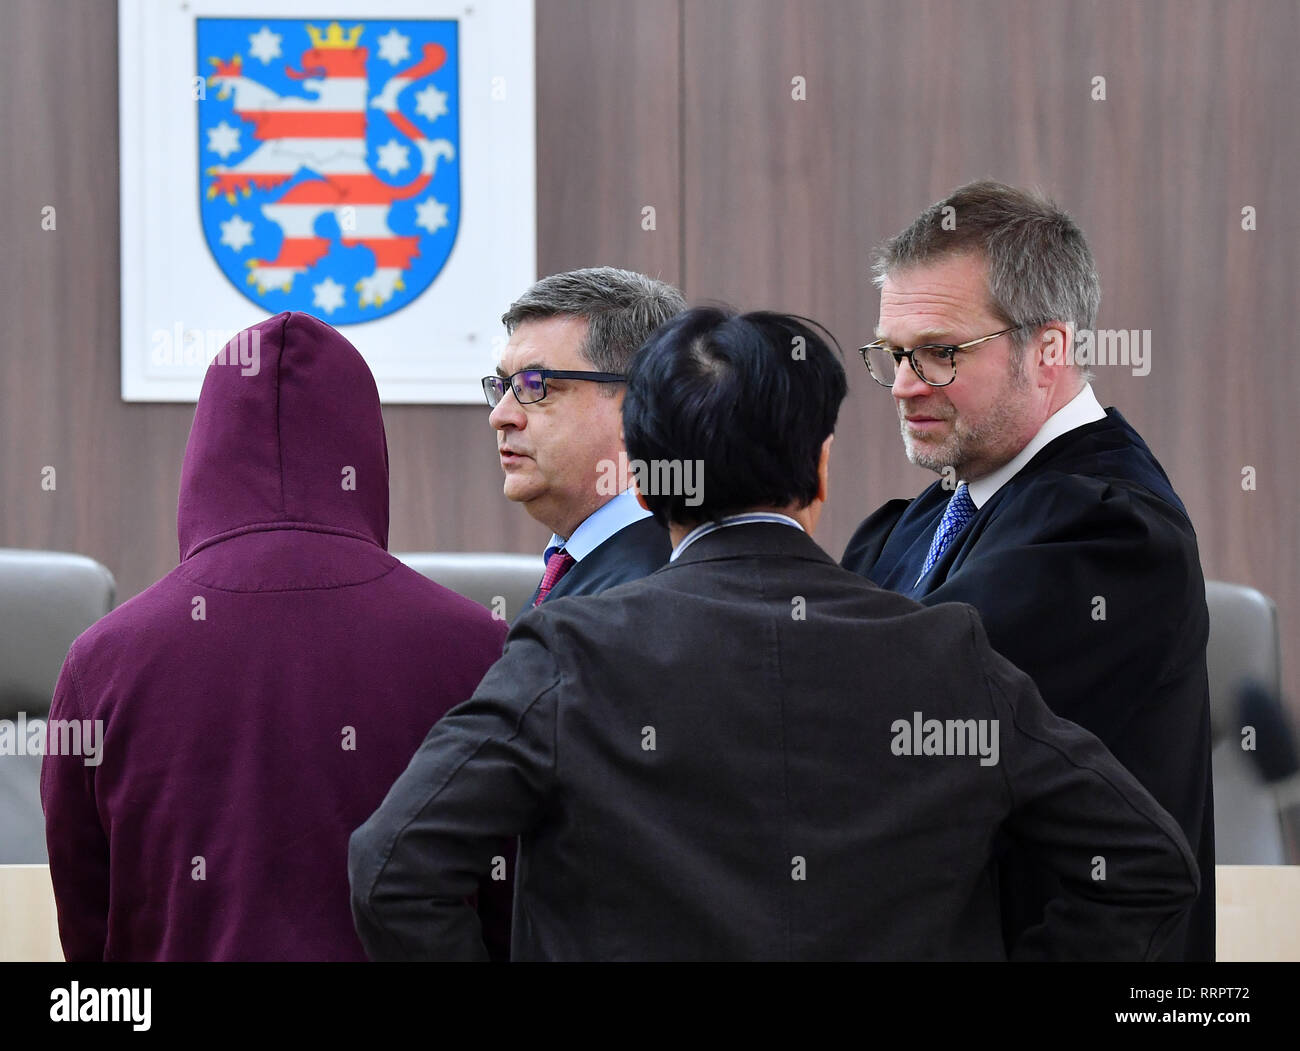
[607, 146]
[906, 100]
[608, 132]
[762, 201]
[117, 466]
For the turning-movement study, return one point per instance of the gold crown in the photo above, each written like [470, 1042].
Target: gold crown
[334, 38]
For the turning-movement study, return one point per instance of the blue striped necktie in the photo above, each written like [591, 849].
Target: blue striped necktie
[960, 510]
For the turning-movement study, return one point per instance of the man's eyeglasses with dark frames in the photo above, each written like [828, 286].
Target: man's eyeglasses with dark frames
[529, 385]
[933, 363]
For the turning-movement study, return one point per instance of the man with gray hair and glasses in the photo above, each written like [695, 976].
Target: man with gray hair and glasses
[557, 403]
[1051, 516]
[557, 408]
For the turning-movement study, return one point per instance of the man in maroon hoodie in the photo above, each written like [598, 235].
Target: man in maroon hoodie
[257, 703]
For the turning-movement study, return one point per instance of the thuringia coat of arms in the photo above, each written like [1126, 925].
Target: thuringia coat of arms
[329, 160]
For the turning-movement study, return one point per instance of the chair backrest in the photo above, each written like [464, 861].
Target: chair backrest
[1244, 647]
[47, 599]
[502, 582]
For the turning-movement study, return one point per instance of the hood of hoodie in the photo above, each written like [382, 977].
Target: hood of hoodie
[288, 437]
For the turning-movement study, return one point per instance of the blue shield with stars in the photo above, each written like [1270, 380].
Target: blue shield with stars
[329, 160]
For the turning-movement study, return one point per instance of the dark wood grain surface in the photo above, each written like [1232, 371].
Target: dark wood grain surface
[761, 201]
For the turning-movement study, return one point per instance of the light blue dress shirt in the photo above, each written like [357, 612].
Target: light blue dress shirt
[599, 526]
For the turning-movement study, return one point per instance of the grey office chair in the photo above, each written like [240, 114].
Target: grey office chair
[501, 582]
[1244, 648]
[47, 599]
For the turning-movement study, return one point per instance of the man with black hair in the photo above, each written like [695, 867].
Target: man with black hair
[746, 754]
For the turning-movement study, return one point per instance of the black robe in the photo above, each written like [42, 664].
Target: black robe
[1085, 571]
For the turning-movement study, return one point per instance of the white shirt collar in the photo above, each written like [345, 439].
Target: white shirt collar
[1082, 409]
[731, 520]
[600, 525]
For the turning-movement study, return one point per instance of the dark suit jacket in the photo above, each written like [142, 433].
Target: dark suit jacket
[1085, 570]
[633, 552]
[702, 765]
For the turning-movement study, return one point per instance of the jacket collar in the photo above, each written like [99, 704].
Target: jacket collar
[751, 540]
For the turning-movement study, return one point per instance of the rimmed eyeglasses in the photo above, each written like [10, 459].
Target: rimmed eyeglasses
[933, 363]
[529, 385]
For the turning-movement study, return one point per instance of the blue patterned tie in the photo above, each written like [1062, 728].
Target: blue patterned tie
[960, 510]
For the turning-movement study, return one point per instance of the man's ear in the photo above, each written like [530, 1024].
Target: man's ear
[824, 469]
[1053, 349]
[639, 498]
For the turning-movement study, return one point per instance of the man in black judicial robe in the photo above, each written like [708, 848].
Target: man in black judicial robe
[1051, 516]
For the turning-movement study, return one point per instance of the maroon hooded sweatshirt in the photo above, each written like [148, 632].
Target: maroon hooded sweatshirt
[258, 702]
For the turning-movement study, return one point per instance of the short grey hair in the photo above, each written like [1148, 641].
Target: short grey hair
[622, 308]
[1040, 268]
